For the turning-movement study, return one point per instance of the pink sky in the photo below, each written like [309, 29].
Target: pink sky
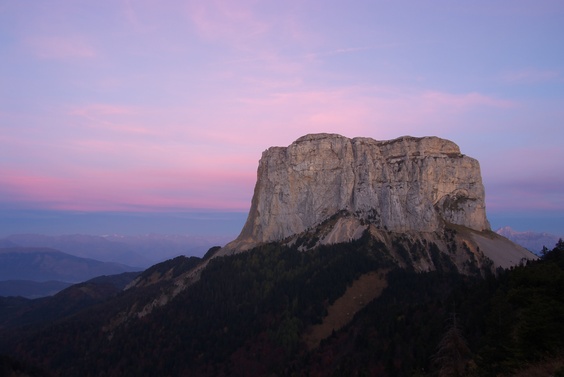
[166, 106]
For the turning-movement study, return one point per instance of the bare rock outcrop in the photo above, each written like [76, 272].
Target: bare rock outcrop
[416, 202]
[407, 184]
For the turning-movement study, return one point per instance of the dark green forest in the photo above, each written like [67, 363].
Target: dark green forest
[248, 313]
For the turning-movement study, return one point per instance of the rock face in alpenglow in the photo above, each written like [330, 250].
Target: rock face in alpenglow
[407, 184]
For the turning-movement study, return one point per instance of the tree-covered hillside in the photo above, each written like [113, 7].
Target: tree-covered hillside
[250, 315]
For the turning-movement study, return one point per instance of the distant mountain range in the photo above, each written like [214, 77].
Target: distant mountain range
[140, 250]
[72, 299]
[533, 241]
[20, 265]
[31, 289]
[34, 265]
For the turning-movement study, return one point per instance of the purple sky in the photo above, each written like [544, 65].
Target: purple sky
[156, 106]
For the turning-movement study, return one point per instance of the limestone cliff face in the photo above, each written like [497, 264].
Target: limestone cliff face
[402, 185]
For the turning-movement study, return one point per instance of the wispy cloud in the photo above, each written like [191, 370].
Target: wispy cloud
[348, 50]
[129, 190]
[61, 47]
[131, 15]
[525, 178]
[531, 76]
[521, 194]
[226, 20]
[101, 109]
[115, 118]
[377, 111]
[448, 102]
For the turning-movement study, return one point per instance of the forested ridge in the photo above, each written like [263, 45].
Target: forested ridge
[248, 313]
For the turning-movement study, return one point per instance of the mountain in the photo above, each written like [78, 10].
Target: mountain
[336, 272]
[419, 199]
[407, 193]
[341, 309]
[16, 311]
[44, 264]
[31, 289]
[137, 250]
[7, 243]
[406, 184]
[533, 241]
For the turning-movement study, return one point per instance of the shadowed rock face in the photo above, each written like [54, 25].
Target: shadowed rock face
[404, 185]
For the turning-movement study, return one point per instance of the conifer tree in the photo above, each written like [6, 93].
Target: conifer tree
[453, 355]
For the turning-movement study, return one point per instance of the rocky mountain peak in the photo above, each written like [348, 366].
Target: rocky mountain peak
[408, 184]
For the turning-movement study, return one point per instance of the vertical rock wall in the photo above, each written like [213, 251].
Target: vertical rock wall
[406, 184]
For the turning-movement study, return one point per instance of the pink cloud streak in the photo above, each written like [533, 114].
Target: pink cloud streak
[205, 157]
[142, 190]
[376, 111]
